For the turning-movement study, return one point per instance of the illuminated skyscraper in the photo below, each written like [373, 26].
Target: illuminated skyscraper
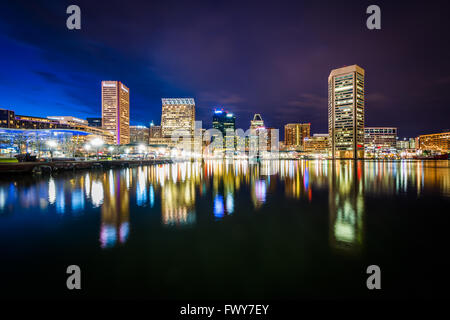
[116, 110]
[225, 122]
[177, 114]
[346, 112]
[295, 133]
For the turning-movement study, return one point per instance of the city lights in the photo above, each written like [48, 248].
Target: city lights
[224, 160]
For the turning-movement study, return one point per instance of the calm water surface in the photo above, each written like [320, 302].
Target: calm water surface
[280, 229]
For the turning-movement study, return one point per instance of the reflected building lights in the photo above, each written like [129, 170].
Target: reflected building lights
[346, 207]
[51, 191]
[97, 193]
[177, 187]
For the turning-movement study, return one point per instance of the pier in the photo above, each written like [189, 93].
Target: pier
[56, 166]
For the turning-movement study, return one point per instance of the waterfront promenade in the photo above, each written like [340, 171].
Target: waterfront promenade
[52, 166]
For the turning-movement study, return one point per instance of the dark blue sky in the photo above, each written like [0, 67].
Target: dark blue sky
[268, 57]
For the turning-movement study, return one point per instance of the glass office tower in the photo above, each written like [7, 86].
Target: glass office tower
[116, 110]
[178, 114]
[346, 112]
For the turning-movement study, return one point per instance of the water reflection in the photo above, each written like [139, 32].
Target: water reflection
[177, 192]
[115, 211]
[346, 206]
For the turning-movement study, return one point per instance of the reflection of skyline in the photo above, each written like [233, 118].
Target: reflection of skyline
[346, 206]
[177, 187]
[115, 211]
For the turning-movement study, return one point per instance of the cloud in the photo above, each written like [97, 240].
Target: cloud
[51, 77]
[308, 100]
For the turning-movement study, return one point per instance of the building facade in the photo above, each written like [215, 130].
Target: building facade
[406, 144]
[178, 115]
[295, 133]
[225, 122]
[257, 122]
[68, 123]
[437, 142]
[155, 131]
[116, 110]
[68, 120]
[380, 138]
[317, 144]
[139, 134]
[7, 118]
[94, 122]
[346, 112]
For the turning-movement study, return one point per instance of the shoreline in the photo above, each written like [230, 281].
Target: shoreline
[57, 166]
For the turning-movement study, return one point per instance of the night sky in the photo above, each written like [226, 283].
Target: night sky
[268, 57]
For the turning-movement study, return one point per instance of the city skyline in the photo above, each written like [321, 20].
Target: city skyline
[283, 81]
[224, 158]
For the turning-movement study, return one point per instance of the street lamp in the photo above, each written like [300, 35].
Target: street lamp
[51, 144]
[111, 149]
[97, 143]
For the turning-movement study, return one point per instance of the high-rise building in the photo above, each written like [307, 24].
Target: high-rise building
[346, 112]
[178, 115]
[94, 122]
[225, 122]
[116, 110]
[295, 134]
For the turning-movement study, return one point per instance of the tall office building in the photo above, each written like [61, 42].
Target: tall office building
[177, 114]
[346, 112]
[295, 134]
[225, 122]
[116, 110]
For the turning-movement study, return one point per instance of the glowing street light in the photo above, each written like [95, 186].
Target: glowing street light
[87, 147]
[111, 149]
[141, 149]
[97, 143]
